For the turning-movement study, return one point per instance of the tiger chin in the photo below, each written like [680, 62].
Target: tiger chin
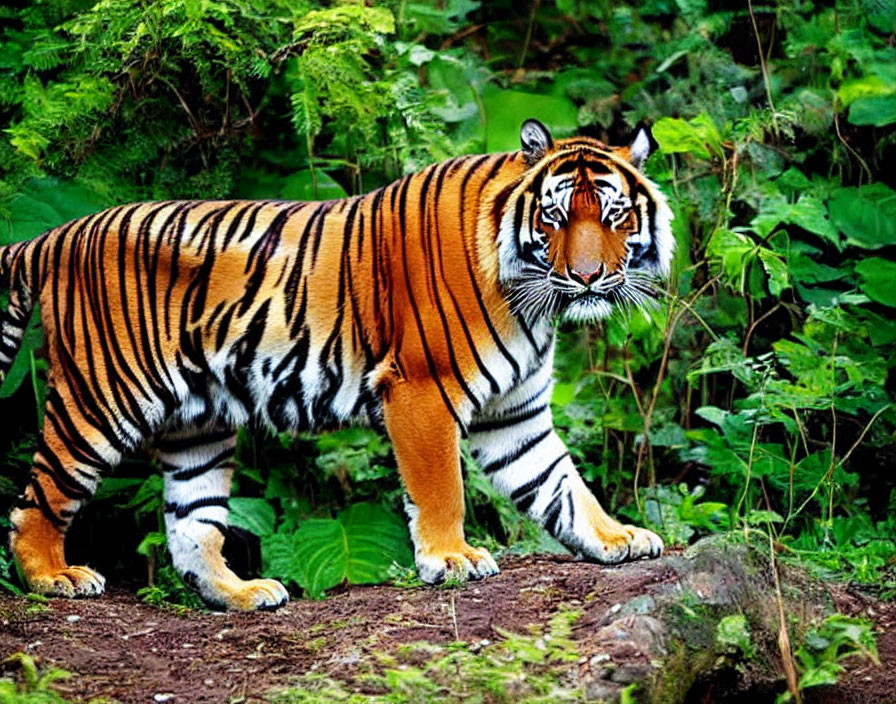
[425, 309]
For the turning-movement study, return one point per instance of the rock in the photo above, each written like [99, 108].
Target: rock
[631, 672]
[664, 640]
[646, 633]
[640, 605]
[602, 691]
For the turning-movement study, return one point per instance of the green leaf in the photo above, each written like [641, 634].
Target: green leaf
[877, 279]
[506, 110]
[303, 185]
[21, 365]
[375, 538]
[758, 518]
[254, 515]
[150, 543]
[878, 110]
[733, 633]
[866, 215]
[825, 673]
[810, 214]
[359, 546]
[776, 269]
[866, 86]
[562, 394]
[735, 250]
[44, 204]
[698, 136]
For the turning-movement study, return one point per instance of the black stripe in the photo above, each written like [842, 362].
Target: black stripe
[427, 214]
[43, 505]
[169, 444]
[471, 343]
[507, 460]
[402, 219]
[182, 511]
[222, 529]
[506, 421]
[77, 445]
[554, 508]
[496, 167]
[183, 474]
[530, 488]
[477, 164]
[101, 313]
[520, 406]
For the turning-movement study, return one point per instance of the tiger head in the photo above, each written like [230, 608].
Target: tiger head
[583, 229]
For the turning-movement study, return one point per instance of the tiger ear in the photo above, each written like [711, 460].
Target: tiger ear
[535, 140]
[640, 148]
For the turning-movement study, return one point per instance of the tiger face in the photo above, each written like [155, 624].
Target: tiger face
[585, 230]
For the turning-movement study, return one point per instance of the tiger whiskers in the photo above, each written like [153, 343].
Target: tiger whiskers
[534, 294]
[638, 289]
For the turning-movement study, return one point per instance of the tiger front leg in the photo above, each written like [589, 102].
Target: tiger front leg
[425, 439]
[526, 460]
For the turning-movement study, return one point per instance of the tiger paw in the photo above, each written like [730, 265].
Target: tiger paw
[461, 564]
[643, 543]
[75, 581]
[622, 544]
[254, 595]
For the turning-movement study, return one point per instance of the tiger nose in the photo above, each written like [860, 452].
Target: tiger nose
[586, 279]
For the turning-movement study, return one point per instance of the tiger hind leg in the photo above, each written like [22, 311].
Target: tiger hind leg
[198, 466]
[71, 458]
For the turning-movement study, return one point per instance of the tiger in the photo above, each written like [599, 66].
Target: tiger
[426, 309]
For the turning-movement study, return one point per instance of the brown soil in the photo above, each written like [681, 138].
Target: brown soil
[124, 650]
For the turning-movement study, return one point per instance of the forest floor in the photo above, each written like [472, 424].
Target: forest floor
[119, 649]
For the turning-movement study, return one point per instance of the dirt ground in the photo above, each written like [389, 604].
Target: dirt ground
[123, 650]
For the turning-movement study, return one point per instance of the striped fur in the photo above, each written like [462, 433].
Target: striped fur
[425, 308]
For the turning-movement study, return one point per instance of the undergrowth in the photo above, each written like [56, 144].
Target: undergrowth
[530, 668]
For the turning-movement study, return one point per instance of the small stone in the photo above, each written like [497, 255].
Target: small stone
[73, 618]
[598, 660]
[208, 683]
[639, 606]
[602, 691]
[645, 633]
[631, 672]
[163, 697]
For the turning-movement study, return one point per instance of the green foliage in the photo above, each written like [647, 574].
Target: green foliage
[679, 514]
[823, 650]
[168, 590]
[8, 580]
[358, 546]
[733, 636]
[34, 686]
[519, 668]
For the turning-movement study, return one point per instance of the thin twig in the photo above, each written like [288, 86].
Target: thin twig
[648, 414]
[756, 322]
[460, 35]
[535, 6]
[849, 148]
[783, 637]
[764, 67]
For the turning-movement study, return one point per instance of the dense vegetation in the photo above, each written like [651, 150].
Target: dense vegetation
[757, 396]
